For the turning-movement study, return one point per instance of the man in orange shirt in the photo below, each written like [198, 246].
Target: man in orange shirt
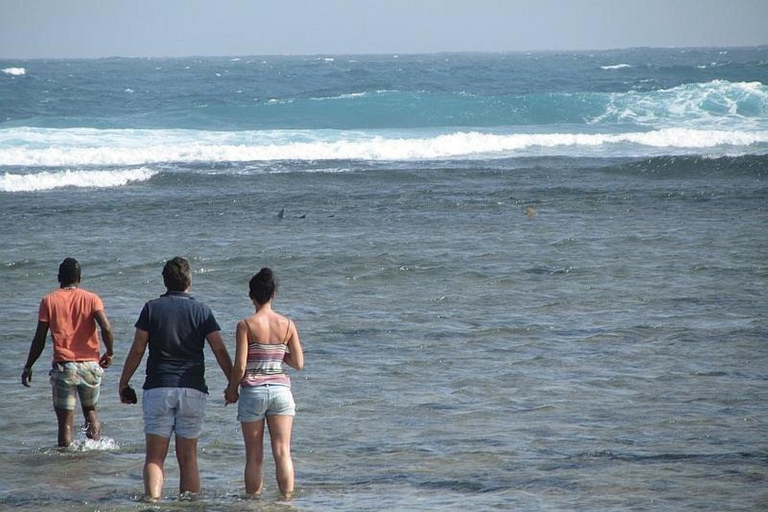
[71, 314]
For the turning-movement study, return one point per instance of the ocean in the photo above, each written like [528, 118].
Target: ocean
[523, 281]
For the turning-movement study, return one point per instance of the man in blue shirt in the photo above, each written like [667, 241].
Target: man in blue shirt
[175, 327]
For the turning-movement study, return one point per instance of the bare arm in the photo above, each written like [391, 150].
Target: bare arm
[220, 351]
[134, 357]
[294, 358]
[106, 337]
[35, 350]
[241, 359]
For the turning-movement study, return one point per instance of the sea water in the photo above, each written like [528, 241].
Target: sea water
[528, 281]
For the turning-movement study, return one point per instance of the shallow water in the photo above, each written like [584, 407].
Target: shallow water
[606, 353]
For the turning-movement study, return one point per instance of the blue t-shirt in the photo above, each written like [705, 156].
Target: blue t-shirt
[177, 325]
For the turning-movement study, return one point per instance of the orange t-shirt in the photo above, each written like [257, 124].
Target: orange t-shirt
[70, 313]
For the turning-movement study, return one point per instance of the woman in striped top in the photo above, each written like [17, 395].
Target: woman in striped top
[265, 340]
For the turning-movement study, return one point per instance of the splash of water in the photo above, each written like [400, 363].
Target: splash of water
[87, 445]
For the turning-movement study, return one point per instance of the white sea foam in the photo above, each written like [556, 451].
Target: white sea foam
[716, 104]
[15, 71]
[84, 148]
[616, 66]
[51, 180]
[348, 96]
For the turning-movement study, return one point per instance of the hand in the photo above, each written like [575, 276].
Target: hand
[106, 360]
[230, 396]
[128, 395]
[26, 376]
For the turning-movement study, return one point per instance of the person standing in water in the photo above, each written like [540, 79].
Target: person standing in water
[175, 328]
[72, 315]
[265, 340]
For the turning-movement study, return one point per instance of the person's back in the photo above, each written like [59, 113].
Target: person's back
[177, 325]
[70, 313]
[266, 350]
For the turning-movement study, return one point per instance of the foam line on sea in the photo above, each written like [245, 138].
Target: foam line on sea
[90, 147]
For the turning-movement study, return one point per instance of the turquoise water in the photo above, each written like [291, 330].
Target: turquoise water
[523, 281]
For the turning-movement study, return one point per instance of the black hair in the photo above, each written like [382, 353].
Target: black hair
[263, 285]
[69, 272]
[176, 274]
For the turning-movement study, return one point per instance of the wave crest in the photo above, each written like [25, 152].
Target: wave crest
[616, 66]
[79, 148]
[717, 103]
[90, 179]
[15, 71]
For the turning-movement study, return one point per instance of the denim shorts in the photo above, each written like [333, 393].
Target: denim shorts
[257, 402]
[169, 410]
[71, 379]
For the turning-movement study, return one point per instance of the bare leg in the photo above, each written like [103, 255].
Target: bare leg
[92, 424]
[253, 435]
[66, 421]
[189, 475]
[157, 451]
[280, 427]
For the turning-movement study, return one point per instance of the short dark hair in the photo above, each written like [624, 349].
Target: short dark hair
[69, 272]
[263, 285]
[176, 274]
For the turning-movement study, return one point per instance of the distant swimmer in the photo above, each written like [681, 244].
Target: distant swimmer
[529, 212]
[72, 315]
[281, 215]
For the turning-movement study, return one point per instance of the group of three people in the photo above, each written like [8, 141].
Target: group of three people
[175, 327]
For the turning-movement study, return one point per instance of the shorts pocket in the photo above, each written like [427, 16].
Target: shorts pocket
[92, 374]
[154, 403]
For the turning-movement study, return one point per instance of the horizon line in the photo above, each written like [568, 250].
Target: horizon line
[390, 54]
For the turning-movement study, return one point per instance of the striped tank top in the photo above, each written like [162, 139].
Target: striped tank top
[265, 363]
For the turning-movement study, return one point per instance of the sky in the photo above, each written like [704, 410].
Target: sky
[175, 28]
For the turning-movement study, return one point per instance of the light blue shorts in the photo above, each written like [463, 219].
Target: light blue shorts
[169, 410]
[76, 379]
[258, 402]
